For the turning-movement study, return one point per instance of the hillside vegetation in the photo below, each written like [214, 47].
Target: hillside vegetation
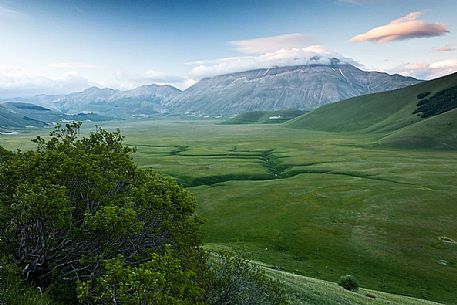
[406, 117]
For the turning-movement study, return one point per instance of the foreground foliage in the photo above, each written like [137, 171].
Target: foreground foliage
[76, 211]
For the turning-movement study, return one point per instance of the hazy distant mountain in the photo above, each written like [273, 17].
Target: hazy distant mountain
[302, 87]
[141, 101]
[19, 115]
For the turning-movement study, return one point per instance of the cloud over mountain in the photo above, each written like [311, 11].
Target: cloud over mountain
[406, 27]
[314, 54]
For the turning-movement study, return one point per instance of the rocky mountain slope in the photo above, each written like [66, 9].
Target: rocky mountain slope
[293, 87]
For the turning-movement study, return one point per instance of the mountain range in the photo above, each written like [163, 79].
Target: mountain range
[303, 87]
[142, 101]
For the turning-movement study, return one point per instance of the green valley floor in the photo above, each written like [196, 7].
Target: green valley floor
[318, 204]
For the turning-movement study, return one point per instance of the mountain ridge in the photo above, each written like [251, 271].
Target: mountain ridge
[303, 87]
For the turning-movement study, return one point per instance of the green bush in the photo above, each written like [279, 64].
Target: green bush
[235, 280]
[349, 282]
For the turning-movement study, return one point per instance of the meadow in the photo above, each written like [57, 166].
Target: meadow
[319, 204]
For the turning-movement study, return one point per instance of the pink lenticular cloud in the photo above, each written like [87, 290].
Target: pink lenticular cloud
[403, 28]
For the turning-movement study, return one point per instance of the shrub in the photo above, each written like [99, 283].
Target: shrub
[349, 282]
[235, 280]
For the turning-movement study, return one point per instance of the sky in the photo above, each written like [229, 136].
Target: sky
[61, 46]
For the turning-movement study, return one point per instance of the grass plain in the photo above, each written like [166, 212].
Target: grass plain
[319, 204]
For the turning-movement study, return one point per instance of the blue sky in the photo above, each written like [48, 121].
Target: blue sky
[51, 46]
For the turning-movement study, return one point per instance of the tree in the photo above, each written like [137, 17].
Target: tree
[76, 209]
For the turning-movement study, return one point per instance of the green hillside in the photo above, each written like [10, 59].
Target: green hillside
[438, 132]
[265, 117]
[388, 113]
[310, 291]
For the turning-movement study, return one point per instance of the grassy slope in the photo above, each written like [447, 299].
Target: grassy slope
[310, 291]
[263, 117]
[383, 113]
[437, 131]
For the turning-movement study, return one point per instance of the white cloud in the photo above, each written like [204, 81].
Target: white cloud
[10, 13]
[314, 54]
[15, 82]
[446, 48]
[75, 65]
[406, 27]
[271, 44]
[427, 70]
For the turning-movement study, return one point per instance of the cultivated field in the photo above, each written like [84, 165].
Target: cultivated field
[313, 203]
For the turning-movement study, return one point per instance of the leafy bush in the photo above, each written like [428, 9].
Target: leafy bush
[76, 212]
[349, 282]
[234, 280]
